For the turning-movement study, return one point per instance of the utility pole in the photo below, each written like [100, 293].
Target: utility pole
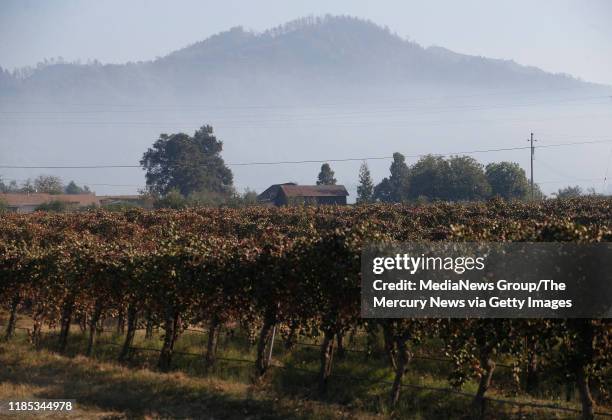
[532, 154]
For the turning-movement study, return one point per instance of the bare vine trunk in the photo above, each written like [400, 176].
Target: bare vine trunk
[479, 403]
[171, 325]
[533, 379]
[83, 322]
[12, 322]
[213, 340]
[327, 357]
[390, 346]
[121, 322]
[402, 359]
[149, 326]
[341, 350]
[371, 342]
[584, 356]
[265, 340]
[132, 317]
[93, 325]
[586, 399]
[37, 328]
[67, 311]
[292, 337]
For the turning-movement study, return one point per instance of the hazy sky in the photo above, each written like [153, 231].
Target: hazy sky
[571, 36]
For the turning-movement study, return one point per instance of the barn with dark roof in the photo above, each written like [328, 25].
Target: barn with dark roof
[293, 194]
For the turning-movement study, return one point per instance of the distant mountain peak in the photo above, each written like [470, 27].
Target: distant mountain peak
[312, 54]
[227, 39]
[326, 21]
[330, 27]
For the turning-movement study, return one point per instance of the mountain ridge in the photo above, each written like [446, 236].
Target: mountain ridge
[314, 53]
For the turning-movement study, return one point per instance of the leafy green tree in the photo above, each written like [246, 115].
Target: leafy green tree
[48, 184]
[365, 190]
[73, 188]
[569, 192]
[430, 177]
[383, 192]
[326, 176]
[187, 164]
[395, 188]
[507, 180]
[467, 180]
[399, 178]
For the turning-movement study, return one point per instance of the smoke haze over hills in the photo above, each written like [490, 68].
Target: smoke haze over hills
[314, 89]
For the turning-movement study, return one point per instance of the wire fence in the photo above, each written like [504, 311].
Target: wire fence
[364, 351]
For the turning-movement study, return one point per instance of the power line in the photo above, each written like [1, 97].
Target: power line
[567, 178]
[573, 143]
[295, 162]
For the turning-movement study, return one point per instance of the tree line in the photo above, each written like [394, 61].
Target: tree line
[435, 178]
[183, 170]
[48, 184]
[190, 170]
